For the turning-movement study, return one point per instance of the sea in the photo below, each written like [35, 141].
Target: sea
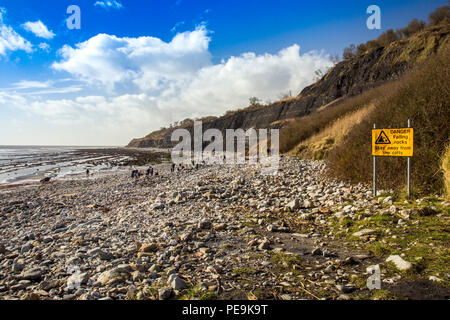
[31, 164]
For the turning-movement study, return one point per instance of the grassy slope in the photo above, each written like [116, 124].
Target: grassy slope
[341, 132]
[422, 96]
[319, 145]
[303, 128]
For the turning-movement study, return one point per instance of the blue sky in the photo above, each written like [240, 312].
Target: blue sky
[164, 60]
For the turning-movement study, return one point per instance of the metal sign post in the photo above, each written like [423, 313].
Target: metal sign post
[393, 143]
[374, 171]
[408, 179]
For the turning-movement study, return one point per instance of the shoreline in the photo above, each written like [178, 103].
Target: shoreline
[96, 159]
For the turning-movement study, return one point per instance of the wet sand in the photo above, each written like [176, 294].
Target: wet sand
[73, 163]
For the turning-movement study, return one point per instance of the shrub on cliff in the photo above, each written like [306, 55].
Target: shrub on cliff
[440, 15]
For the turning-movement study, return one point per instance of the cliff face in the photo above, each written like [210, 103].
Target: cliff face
[348, 78]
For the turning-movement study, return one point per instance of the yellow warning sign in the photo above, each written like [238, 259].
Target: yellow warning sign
[393, 142]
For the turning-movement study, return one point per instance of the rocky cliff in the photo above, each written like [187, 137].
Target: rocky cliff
[348, 78]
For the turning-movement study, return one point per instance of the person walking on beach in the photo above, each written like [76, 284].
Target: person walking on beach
[87, 173]
[172, 167]
[135, 176]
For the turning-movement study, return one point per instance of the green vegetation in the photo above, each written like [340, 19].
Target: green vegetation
[245, 271]
[285, 261]
[198, 294]
[153, 291]
[382, 295]
[423, 239]
[379, 249]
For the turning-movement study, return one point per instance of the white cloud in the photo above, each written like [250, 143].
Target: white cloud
[109, 4]
[148, 62]
[42, 88]
[170, 80]
[2, 13]
[10, 40]
[26, 84]
[39, 29]
[44, 47]
[53, 91]
[177, 25]
[231, 83]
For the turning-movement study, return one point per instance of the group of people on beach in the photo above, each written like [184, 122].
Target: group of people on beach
[150, 172]
[137, 174]
[174, 168]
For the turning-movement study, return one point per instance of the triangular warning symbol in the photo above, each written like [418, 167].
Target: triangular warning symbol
[383, 139]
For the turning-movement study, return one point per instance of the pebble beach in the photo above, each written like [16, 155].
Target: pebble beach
[219, 232]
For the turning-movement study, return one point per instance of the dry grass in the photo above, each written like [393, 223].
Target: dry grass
[446, 169]
[331, 104]
[303, 128]
[317, 146]
[288, 99]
